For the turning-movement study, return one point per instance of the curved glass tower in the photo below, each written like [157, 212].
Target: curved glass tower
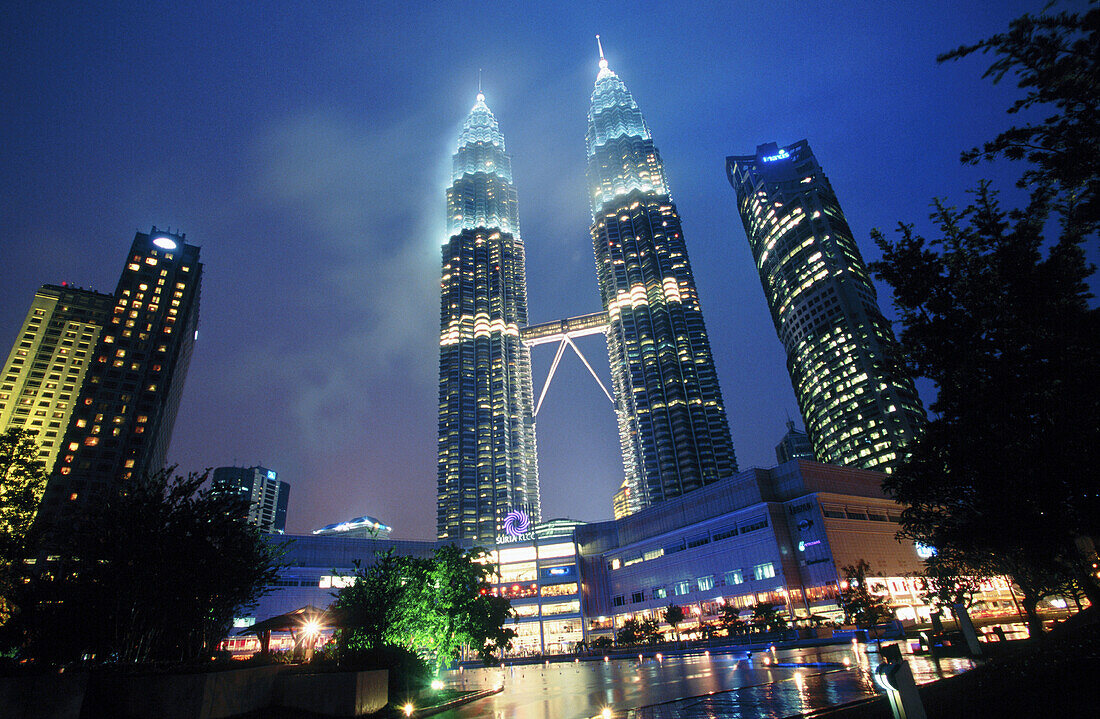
[487, 465]
[672, 421]
[858, 401]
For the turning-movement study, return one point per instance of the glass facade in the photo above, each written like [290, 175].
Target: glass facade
[858, 402]
[672, 421]
[487, 465]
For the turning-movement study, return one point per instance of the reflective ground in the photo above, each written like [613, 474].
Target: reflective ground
[716, 686]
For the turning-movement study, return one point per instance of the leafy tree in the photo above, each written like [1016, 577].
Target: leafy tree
[435, 606]
[995, 311]
[22, 479]
[860, 606]
[673, 615]
[768, 617]
[638, 631]
[951, 578]
[155, 571]
[730, 619]
[1056, 61]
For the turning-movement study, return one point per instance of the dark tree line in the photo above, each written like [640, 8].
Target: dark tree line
[995, 309]
[155, 571]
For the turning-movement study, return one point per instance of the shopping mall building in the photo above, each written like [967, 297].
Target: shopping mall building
[781, 536]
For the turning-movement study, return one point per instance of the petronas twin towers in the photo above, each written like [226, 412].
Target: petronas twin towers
[672, 421]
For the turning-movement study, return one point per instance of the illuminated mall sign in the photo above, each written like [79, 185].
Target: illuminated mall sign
[781, 155]
[517, 526]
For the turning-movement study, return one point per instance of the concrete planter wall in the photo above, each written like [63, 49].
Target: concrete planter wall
[209, 695]
[334, 693]
[44, 696]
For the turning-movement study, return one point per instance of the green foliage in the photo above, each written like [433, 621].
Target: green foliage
[861, 608]
[673, 615]
[730, 619]
[408, 671]
[951, 577]
[638, 631]
[435, 606]
[995, 311]
[22, 479]
[154, 572]
[603, 642]
[766, 616]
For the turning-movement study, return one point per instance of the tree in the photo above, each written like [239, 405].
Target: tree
[1056, 60]
[860, 606]
[995, 312]
[434, 606]
[730, 619]
[154, 572]
[22, 479]
[673, 615]
[638, 631]
[767, 616]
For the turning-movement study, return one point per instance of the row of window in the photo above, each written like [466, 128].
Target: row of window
[758, 572]
[732, 530]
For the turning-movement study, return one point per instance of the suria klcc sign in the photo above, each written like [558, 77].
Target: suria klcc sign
[517, 526]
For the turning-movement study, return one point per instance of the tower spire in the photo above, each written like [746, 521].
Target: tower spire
[603, 60]
[480, 95]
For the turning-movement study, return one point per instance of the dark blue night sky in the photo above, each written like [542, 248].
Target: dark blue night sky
[306, 149]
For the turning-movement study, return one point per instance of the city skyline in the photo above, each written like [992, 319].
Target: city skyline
[289, 159]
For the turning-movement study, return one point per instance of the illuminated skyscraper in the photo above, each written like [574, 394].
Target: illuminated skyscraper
[672, 421]
[48, 363]
[487, 465]
[122, 420]
[266, 494]
[857, 400]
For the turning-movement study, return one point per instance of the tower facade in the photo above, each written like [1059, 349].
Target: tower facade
[49, 361]
[266, 494]
[672, 421]
[858, 403]
[123, 416]
[487, 465]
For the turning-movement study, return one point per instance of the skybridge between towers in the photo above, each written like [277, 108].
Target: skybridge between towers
[563, 332]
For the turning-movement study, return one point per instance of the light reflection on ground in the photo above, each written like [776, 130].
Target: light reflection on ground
[650, 689]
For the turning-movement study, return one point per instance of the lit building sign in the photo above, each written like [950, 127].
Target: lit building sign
[802, 545]
[924, 551]
[270, 474]
[165, 243]
[516, 523]
[781, 155]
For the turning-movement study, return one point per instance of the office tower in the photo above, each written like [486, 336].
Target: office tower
[124, 411]
[857, 400]
[672, 421]
[487, 464]
[266, 494]
[48, 363]
[794, 445]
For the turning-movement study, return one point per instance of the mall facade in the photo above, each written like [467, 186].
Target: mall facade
[781, 536]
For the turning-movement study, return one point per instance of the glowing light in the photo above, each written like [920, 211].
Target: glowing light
[311, 628]
[516, 523]
[606, 713]
[847, 662]
[437, 684]
[165, 243]
[781, 155]
[409, 709]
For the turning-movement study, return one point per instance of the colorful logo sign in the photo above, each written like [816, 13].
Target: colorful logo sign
[516, 523]
[781, 155]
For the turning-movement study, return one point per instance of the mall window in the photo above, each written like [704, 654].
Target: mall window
[734, 577]
[763, 571]
[681, 588]
[660, 593]
[705, 583]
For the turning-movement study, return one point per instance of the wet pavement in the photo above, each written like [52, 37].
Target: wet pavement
[717, 685]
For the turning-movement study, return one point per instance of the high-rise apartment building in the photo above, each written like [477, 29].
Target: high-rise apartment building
[857, 400]
[266, 494]
[487, 465]
[672, 422]
[45, 370]
[124, 411]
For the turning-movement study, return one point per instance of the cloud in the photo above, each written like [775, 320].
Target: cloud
[373, 209]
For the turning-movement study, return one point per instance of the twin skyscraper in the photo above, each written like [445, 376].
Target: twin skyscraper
[673, 429]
